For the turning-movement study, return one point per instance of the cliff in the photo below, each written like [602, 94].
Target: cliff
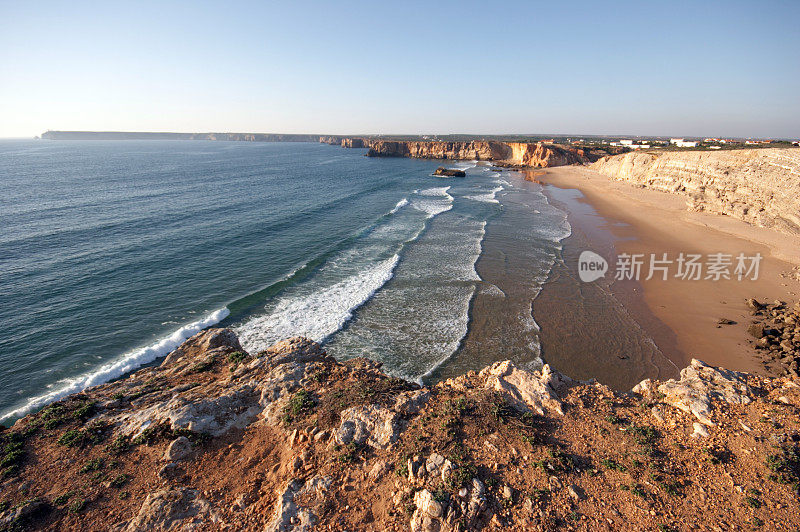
[538, 155]
[473, 150]
[330, 139]
[761, 187]
[290, 439]
[354, 143]
[546, 155]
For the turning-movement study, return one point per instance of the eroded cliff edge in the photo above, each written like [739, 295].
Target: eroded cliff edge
[290, 439]
[523, 154]
[761, 187]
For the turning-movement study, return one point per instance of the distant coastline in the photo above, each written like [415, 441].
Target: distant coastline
[149, 135]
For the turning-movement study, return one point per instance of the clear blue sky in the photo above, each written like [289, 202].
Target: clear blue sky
[652, 68]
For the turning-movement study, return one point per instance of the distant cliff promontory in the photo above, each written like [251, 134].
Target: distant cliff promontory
[144, 135]
[533, 155]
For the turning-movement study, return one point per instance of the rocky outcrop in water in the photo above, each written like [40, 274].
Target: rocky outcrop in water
[290, 439]
[449, 172]
[761, 187]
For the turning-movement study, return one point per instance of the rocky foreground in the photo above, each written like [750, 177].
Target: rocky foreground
[290, 439]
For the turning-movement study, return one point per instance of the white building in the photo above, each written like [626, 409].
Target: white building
[683, 143]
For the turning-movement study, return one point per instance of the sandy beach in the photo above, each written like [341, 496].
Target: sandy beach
[681, 316]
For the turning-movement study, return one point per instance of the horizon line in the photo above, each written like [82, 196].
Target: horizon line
[550, 134]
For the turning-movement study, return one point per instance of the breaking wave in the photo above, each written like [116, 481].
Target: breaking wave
[319, 314]
[125, 364]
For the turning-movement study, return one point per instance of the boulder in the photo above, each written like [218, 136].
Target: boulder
[410, 403]
[289, 516]
[528, 391]
[371, 425]
[449, 172]
[178, 449]
[700, 384]
[172, 509]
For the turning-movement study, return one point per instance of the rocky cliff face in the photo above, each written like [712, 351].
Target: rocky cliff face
[761, 187]
[475, 150]
[354, 143]
[290, 439]
[536, 155]
[548, 155]
[330, 139]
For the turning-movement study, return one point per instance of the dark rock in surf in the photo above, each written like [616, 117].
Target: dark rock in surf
[449, 172]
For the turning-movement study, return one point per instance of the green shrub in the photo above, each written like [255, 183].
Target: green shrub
[237, 357]
[77, 506]
[61, 500]
[301, 403]
[203, 365]
[120, 444]
[120, 480]
[92, 465]
[72, 438]
[85, 410]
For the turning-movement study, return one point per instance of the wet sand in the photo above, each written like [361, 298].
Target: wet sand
[680, 316]
[583, 330]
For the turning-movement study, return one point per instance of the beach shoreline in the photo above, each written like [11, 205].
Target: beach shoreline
[681, 316]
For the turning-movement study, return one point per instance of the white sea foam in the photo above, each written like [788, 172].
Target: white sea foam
[400, 204]
[318, 314]
[461, 320]
[465, 165]
[435, 191]
[124, 364]
[433, 201]
[488, 197]
[493, 290]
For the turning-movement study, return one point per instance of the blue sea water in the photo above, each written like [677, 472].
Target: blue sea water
[113, 252]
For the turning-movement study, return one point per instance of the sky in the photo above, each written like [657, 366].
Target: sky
[673, 68]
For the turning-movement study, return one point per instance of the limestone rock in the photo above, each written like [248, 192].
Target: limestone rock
[410, 403]
[528, 391]
[172, 509]
[371, 425]
[699, 431]
[477, 501]
[14, 517]
[262, 387]
[287, 515]
[434, 463]
[575, 492]
[699, 385]
[378, 470]
[178, 449]
[204, 341]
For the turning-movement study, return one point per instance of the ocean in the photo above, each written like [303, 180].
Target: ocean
[114, 252]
